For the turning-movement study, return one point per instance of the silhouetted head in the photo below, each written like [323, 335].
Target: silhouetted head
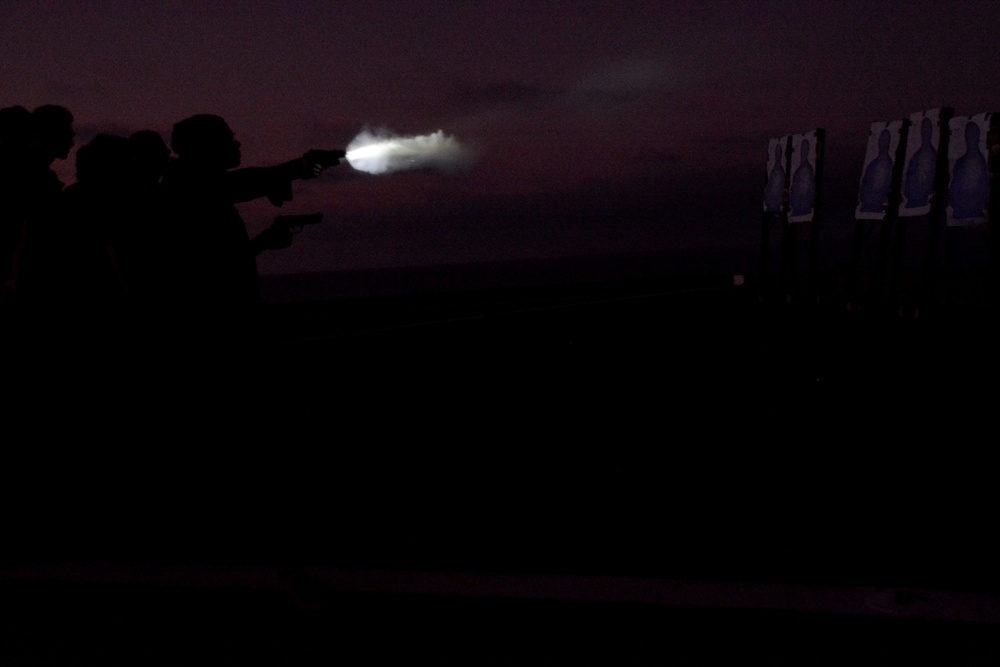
[104, 161]
[150, 155]
[52, 132]
[926, 130]
[805, 151]
[207, 141]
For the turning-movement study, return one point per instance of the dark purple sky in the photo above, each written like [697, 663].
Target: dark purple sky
[599, 127]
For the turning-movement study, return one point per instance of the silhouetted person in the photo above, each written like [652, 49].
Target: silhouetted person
[136, 243]
[53, 135]
[150, 156]
[51, 138]
[213, 259]
[15, 137]
[877, 178]
[69, 268]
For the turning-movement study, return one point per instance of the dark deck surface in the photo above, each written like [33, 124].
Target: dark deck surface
[639, 431]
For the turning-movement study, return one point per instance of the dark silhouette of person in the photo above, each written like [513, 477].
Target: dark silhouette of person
[51, 137]
[150, 156]
[803, 183]
[775, 190]
[918, 183]
[136, 246]
[213, 268]
[969, 191]
[69, 268]
[877, 178]
[15, 136]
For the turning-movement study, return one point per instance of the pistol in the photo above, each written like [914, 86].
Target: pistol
[325, 158]
[295, 223]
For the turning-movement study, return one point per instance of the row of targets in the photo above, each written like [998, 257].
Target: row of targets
[931, 165]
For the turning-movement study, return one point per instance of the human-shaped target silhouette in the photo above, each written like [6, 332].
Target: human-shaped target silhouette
[970, 178]
[921, 167]
[875, 183]
[968, 188]
[774, 191]
[802, 193]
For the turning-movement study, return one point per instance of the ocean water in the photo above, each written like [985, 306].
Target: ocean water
[713, 265]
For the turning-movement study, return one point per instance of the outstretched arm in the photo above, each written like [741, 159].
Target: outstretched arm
[273, 182]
